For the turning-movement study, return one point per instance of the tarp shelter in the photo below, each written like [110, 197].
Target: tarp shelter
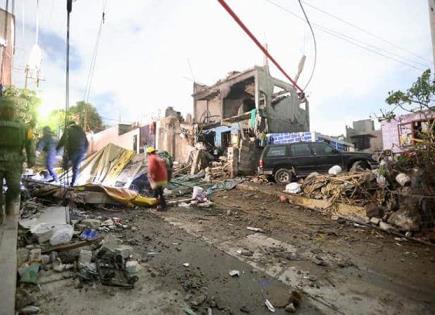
[107, 167]
[112, 169]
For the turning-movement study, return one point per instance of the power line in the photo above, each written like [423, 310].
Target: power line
[366, 32]
[315, 45]
[355, 42]
[94, 55]
[255, 40]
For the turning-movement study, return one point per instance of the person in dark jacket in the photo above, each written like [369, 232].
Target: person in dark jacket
[76, 145]
[47, 144]
[14, 138]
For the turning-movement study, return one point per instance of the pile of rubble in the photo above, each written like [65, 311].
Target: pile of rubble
[218, 169]
[353, 188]
[59, 242]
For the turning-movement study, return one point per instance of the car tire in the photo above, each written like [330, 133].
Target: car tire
[359, 166]
[283, 176]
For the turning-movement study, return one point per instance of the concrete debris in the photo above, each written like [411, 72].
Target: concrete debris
[335, 170]
[290, 308]
[254, 229]
[234, 273]
[403, 179]
[375, 220]
[293, 188]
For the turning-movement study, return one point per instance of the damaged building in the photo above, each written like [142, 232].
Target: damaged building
[276, 103]
[234, 115]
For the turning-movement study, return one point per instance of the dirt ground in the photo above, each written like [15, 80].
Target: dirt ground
[338, 267]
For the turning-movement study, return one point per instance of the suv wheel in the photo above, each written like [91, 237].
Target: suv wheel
[359, 166]
[283, 176]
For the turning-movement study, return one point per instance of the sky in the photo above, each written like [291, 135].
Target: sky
[151, 51]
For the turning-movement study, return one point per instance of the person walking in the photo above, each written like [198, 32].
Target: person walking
[47, 144]
[76, 145]
[157, 176]
[14, 138]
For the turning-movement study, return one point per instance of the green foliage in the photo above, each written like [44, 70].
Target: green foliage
[86, 116]
[418, 98]
[55, 120]
[27, 108]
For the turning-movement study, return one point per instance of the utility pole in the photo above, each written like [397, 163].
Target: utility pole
[432, 25]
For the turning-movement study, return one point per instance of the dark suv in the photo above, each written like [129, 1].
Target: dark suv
[286, 161]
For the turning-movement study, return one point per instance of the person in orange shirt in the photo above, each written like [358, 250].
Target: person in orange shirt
[157, 176]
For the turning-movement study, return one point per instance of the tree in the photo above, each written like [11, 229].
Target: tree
[27, 107]
[419, 98]
[86, 115]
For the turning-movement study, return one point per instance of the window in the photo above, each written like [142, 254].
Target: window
[276, 151]
[321, 148]
[300, 149]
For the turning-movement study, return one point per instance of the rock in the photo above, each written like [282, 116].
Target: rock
[403, 179]
[375, 220]
[335, 170]
[406, 219]
[133, 228]
[295, 298]
[373, 210]
[385, 226]
[91, 223]
[199, 300]
[245, 310]
[290, 308]
[31, 309]
[234, 273]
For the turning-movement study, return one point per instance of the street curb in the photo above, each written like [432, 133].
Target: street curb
[8, 267]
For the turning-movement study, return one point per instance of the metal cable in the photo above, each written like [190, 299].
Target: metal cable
[315, 46]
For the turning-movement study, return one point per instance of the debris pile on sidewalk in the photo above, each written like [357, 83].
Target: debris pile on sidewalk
[352, 188]
[58, 242]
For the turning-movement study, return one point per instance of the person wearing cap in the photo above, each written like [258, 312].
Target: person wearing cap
[47, 144]
[76, 146]
[157, 176]
[14, 138]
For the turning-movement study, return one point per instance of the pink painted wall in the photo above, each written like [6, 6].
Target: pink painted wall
[101, 139]
[390, 130]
